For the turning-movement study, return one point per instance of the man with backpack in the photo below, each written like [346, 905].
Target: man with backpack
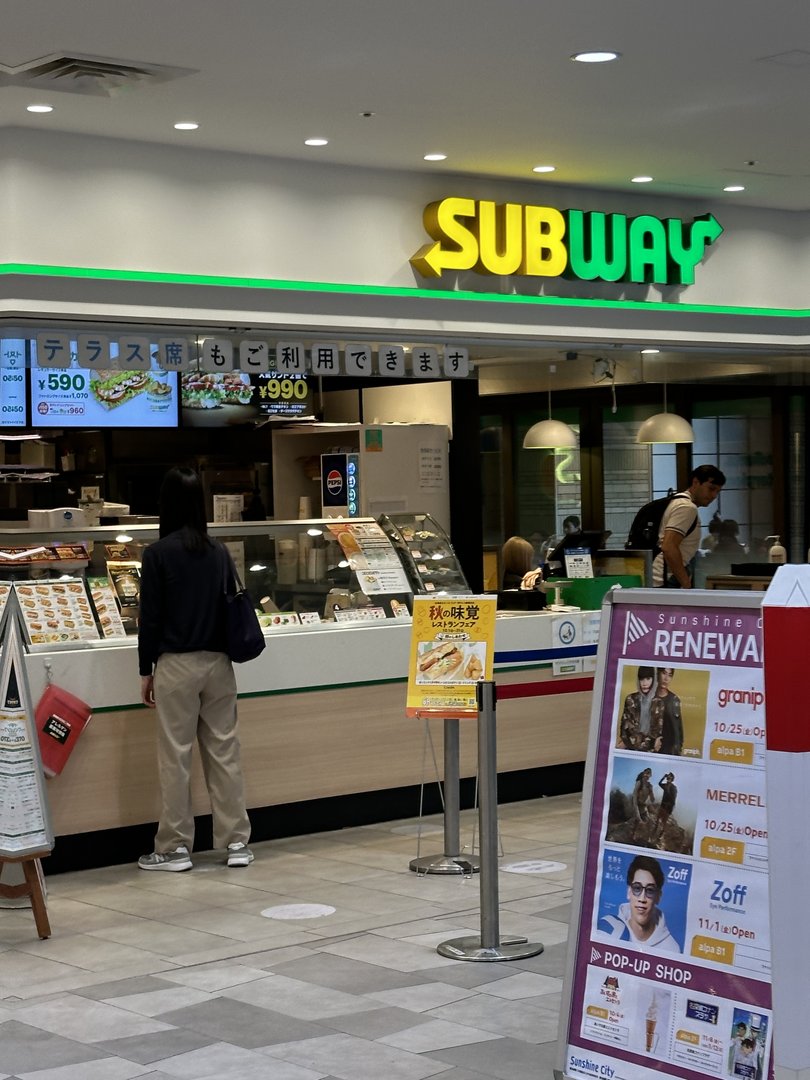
[679, 531]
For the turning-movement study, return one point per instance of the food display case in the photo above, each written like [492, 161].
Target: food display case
[321, 711]
[426, 553]
[81, 585]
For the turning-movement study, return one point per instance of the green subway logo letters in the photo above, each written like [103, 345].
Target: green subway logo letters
[540, 241]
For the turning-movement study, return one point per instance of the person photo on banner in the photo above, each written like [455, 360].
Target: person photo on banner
[639, 921]
[667, 715]
[637, 730]
[634, 814]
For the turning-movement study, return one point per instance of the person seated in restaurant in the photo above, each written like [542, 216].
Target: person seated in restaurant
[727, 550]
[517, 564]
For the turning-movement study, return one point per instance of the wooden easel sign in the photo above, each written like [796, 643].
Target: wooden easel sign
[25, 829]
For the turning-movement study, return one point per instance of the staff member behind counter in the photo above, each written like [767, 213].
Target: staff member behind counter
[519, 577]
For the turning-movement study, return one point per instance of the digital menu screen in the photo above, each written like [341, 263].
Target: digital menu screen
[82, 397]
[13, 383]
[219, 399]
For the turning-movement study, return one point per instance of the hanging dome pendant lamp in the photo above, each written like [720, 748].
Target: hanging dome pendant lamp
[665, 427]
[550, 434]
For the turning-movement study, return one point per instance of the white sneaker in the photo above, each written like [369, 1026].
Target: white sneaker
[179, 859]
[239, 855]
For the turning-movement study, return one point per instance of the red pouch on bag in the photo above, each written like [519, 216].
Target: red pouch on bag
[60, 718]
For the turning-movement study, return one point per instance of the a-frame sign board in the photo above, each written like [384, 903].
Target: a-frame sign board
[25, 828]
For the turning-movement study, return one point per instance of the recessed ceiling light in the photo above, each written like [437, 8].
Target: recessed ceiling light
[39, 108]
[186, 125]
[734, 187]
[316, 142]
[435, 157]
[544, 168]
[650, 352]
[641, 179]
[597, 57]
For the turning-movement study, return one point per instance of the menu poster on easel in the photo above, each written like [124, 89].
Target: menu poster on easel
[24, 823]
[452, 650]
[669, 968]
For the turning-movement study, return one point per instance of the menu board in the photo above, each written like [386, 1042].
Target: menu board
[67, 556]
[670, 968]
[82, 397]
[371, 556]
[106, 607]
[13, 383]
[219, 399]
[125, 578]
[56, 611]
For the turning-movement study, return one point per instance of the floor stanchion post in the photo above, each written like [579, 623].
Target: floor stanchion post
[488, 946]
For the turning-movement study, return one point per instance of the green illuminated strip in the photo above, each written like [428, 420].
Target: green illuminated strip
[280, 285]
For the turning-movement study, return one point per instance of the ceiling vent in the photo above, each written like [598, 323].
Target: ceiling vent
[95, 75]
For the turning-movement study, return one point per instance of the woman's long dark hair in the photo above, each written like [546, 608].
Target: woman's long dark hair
[181, 506]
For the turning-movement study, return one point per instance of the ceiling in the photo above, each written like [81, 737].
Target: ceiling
[706, 93]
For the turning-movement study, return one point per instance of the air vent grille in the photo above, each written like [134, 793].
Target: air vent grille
[95, 75]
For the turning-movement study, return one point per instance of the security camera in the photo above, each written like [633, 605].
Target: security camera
[571, 355]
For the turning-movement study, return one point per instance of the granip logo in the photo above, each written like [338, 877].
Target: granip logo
[634, 629]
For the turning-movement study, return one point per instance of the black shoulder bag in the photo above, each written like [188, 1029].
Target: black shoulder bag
[244, 639]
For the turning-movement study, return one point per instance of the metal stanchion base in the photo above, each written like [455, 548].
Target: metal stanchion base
[470, 948]
[445, 864]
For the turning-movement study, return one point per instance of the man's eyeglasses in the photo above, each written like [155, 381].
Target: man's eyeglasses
[650, 891]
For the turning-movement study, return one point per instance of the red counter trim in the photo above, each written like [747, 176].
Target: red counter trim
[542, 689]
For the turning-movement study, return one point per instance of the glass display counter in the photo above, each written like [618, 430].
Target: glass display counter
[321, 711]
[81, 585]
[426, 553]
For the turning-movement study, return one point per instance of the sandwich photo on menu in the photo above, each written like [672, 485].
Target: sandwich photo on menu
[114, 388]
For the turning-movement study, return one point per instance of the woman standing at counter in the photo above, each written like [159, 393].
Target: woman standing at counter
[187, 676]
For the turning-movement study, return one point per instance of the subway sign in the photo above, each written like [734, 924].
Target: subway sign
[540, 241]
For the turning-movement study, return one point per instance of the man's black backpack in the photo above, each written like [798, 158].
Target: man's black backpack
[647, 524]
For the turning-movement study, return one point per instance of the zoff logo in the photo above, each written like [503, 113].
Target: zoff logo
[634, 628]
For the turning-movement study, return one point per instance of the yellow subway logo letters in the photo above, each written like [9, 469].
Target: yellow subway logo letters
[541, 241]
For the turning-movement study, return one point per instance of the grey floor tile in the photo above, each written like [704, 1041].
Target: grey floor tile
[344, 973]
[526, 1021]
[423, 996]
[242, 1023]
[507, 1059]
[84, 1020]
[158, 1002]
[436, 1035]
[375, 1024]
[103, 1069]
[468, 973]
[349, 1058]
[146, 1049]
[362, 995]
[119, 987]
[223, 1062]
[299, 999]
[213, 977]
[523, 984]
[388, 953]
[25, 1047]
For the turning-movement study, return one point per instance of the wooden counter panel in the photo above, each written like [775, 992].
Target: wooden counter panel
[304, 746]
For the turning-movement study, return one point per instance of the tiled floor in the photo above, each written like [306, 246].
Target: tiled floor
[184, 975]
